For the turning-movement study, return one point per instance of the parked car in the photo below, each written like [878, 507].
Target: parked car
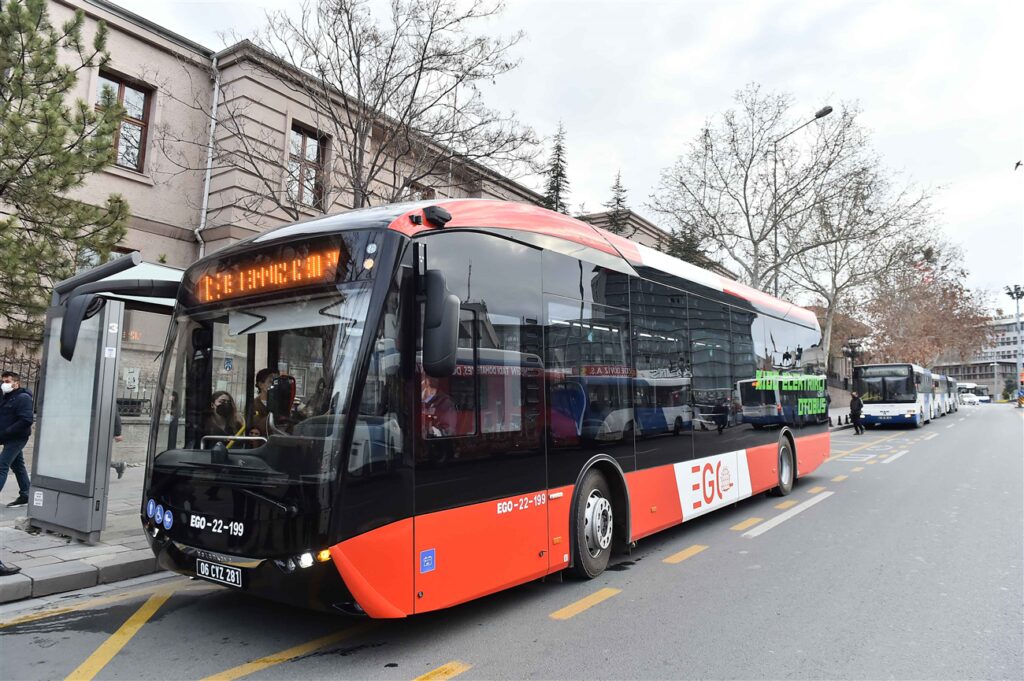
[984, 399]
[969, 398]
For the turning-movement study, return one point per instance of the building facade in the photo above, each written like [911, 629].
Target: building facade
[994, 366]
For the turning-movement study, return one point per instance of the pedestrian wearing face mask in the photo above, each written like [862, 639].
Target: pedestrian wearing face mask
[15, 426]
[223, 419]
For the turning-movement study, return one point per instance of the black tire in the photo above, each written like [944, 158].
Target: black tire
[595, 526]
[786, 469]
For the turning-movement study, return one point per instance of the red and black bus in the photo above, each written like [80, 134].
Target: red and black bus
[449, 410]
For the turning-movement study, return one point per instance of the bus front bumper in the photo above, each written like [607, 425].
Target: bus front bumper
[317, 587]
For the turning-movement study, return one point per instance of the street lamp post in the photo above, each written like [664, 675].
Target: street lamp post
[1017, 292]
[820, 113]
[850, 349]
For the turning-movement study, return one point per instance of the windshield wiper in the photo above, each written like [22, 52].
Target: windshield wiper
[291, 511]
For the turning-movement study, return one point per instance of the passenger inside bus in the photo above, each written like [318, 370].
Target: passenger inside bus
[222, 419]
[258, 411]
[438, 411]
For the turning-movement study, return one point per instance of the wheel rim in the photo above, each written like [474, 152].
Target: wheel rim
[785, 467]
[597, 523]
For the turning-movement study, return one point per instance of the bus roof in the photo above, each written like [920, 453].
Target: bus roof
[409, 219]
[915, 367]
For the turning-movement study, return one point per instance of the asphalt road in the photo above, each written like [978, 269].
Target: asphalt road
[901, 558]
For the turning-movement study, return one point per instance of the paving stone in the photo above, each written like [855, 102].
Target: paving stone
[15, 587]
[61, 577]
[85, 551]
[137, 543]
[37, 562]
[29, 543]
[124, 565]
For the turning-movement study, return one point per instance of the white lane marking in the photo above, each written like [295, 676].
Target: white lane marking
[962, 418]
[783, 517]
[931, 436]
[950, 425]
[896, 456]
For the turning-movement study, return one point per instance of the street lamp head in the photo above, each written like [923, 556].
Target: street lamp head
[823, 112]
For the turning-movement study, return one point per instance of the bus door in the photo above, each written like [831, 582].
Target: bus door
[481, 489]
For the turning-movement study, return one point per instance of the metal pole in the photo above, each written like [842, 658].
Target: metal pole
[1019, 353]
[775, 212]
[820, 113]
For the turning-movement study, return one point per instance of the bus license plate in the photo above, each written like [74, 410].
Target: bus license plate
[222, 574]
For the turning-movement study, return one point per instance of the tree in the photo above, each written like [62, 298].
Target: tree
[683, 245]
[398, 100]
[738, 188]
[556, 188]
[49, 145]
[618, 211]
[921, 311]
[866, 228]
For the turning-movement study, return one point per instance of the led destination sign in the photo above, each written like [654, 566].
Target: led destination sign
[264, 274]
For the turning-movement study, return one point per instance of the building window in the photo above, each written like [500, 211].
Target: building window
[130, 138]
[419, 192]
[306, 150]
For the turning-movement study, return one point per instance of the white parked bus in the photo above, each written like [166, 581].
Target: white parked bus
[895, 393]
[945, 394]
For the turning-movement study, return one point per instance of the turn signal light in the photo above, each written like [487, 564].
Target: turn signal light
[323, 556]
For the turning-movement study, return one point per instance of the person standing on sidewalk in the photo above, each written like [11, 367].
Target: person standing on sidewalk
[856, 407]
[15, 426]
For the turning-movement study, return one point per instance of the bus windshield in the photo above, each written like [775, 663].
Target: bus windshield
[219, 371]
[887, 384]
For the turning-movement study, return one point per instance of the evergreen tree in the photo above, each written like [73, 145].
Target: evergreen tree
[49, 145]
[684, 245]
[618, 211]
[556, 190]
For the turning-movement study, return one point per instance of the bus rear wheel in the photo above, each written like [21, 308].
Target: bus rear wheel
[786, 469]
[594, 526]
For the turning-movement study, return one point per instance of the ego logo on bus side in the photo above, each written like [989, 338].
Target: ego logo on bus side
[715, 480]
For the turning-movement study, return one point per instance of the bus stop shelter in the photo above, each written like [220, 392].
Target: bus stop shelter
[76, 404]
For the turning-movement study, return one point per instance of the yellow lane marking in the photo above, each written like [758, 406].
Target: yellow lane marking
[871, 462]
[445, 671]
[684, 554]
[863, 446]
[749, 522]
[858, 469]
[104, 600]
[785, 504]
[815, 490]
[839, 478]
[584, 603]
[289, 653]
[883, 456]
[95, 663]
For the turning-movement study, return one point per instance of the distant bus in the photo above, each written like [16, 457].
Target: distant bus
[979, 391]
[895, 393]
[944, 395]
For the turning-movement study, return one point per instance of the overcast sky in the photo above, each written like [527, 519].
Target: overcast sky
[939, 84]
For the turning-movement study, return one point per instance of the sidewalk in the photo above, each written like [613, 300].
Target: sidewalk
[52, 564]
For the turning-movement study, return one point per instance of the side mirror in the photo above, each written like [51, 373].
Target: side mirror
[440, 327]
[280, 396]
[79, 308]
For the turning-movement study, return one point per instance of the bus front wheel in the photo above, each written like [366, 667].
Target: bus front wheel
[594, 526]
[786, 469]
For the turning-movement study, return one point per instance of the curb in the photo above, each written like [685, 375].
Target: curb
[45, 573]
